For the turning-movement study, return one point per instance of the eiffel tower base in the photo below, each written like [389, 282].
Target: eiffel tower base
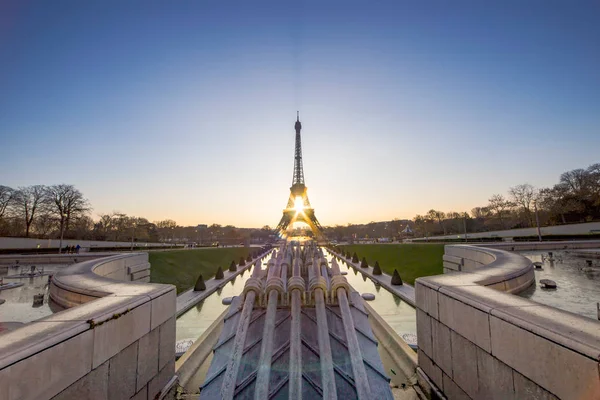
[306, 215]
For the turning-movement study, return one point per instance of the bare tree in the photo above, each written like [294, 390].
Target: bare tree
[575, 181]
[121, 226]
[166, 229]
[27, 202]
[44, 223]
[439, 216]
[6, 196]
[65, 203]
[480, 212]
[524, 196]
[499, 206]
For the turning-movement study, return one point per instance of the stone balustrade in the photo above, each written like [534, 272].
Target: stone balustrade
[116, 342]
[476, 340]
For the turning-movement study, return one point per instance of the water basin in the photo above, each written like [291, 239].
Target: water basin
[397, 313]
[578, 285]
[18, 306]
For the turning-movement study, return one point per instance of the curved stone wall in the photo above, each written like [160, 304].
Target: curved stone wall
[476, 340]
[90, 280]
[117, 342]
[497, 269]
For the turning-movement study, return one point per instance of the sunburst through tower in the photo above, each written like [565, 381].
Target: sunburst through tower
[298, 207]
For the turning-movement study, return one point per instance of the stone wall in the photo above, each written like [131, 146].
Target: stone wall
[35, 259]
[477, 341]
[570, 229]
[117, 343]
[541, 246]
[67, 288]
[32, 243]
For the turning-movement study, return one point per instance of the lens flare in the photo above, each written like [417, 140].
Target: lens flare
[298, 204]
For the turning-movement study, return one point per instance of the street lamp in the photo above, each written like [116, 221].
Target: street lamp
[133, 225]
[465, 225]
[537, 220]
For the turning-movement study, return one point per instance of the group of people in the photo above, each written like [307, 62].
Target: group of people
[71, 249]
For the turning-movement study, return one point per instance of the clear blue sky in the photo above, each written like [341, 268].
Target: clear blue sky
[186, 110]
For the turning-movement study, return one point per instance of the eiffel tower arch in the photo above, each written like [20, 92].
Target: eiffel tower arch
[298, 207]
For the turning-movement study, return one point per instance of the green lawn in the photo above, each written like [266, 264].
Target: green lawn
[182, 267]
[411, 260]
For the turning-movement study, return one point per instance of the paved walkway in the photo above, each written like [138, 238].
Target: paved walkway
[406, 292]
[189, 298]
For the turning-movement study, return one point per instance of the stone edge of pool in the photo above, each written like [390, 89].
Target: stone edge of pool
[115, 318]
[520, 345]
[190, 298]
[405, 291]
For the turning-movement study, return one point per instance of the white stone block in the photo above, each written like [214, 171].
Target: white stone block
[451, 266]
[561, 371]
[163, 307]
[426, 299]
[5, 382]
[53, 369]
[452, 391]
[147, 361]
[123, 373]
[156, 385]
[142, 394]
[500, 286]
[424, 333]
[139, 258]
[482, 256]
[140, 274]
[137, 268]
[495, 378]
[166, 351]
[114, 335]
[470, 265]
[109, 267]
[456, 251]
[526, 389]
[452, 259]
[468, 321]
[118, 275]
[442, 348]
[93, 386]
[464, 364]
[431, 370]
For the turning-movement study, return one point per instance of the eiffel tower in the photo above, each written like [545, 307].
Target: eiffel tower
[298, 207]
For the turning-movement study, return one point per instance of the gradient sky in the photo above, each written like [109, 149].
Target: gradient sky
[186, 110]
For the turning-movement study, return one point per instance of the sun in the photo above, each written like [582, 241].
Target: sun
[298, 204]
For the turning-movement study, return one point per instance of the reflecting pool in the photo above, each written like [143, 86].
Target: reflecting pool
[578, 285]
[18, 305]
[397, 313]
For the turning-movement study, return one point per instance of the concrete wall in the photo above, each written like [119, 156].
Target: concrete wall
[117, 343]
[64, 259]
[28, 243]
[528, 246]
[571, 229]
[477, 341]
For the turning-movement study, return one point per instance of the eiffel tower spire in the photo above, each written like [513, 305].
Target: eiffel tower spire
[298, 178]
[292, 212]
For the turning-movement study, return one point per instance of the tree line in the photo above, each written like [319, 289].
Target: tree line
[62, 212]
[574, 198]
